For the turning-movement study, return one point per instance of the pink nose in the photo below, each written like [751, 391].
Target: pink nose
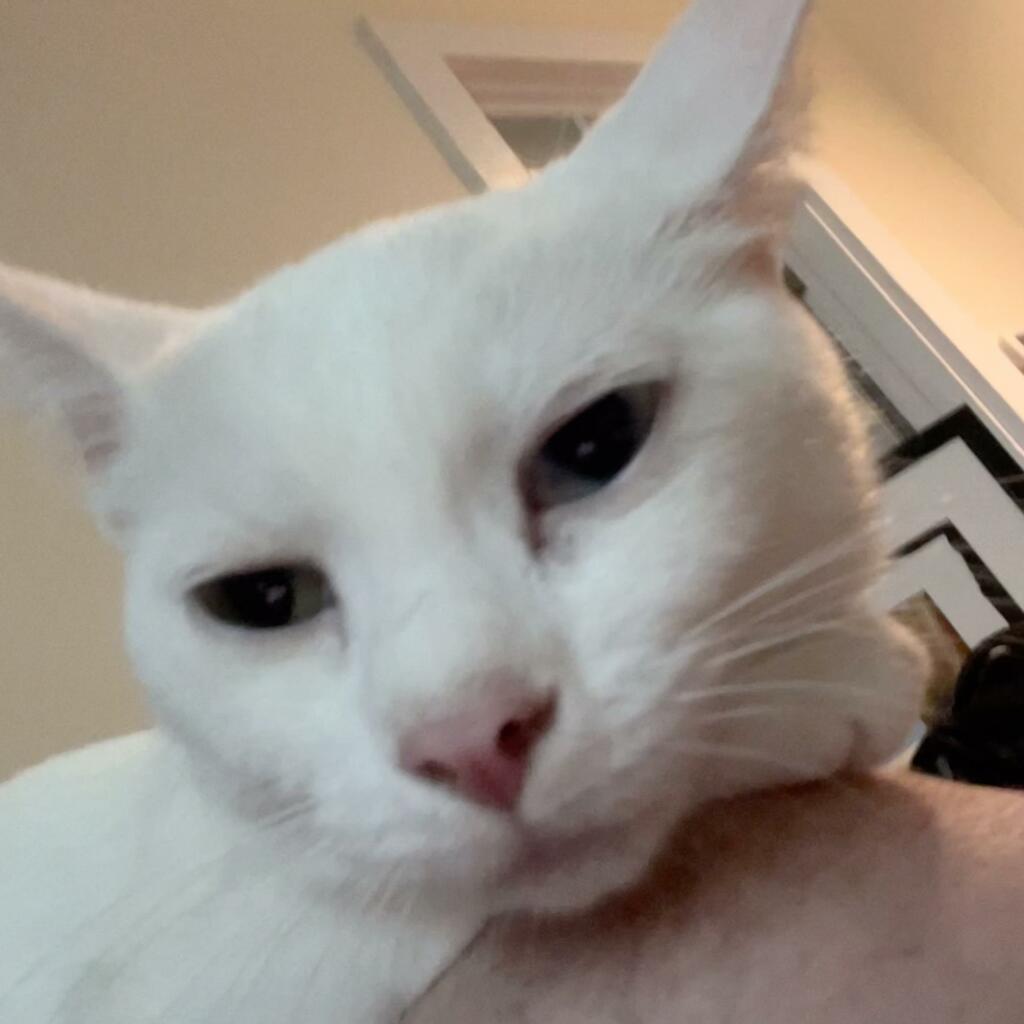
[482, 754]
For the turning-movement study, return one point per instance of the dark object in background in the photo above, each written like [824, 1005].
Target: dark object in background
[981, 740]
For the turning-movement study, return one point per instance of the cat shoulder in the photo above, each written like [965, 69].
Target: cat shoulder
[71, 831]
[63, 791]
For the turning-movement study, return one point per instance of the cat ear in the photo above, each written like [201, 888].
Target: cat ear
[67, 354]
[709, 109]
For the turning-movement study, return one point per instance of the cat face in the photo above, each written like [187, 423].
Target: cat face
[490, 541]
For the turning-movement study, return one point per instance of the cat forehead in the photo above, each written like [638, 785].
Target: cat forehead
[491, 278]
[502, 298]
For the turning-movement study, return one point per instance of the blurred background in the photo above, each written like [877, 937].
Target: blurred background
[176, 151]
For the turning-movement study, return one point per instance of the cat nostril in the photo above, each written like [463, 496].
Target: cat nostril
[438, 773]
[517, 737]
[514, 739]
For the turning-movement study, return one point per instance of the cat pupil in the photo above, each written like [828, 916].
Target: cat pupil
[599, 442]
[594, 447]
[262, 600]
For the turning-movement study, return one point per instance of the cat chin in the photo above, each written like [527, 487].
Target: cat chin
[511, 867]
[565, 873]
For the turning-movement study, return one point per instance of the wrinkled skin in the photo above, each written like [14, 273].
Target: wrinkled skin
[891, 901]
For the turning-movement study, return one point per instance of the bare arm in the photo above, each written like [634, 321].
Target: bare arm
[880, 901]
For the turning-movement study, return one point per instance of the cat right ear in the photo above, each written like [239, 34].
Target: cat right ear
[67, 355]
[706, 113]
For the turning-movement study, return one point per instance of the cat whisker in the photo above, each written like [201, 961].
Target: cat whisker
[695, 748]
[795, 687]
[805, 632]
[802, 772]
[742, 633]
[802, 687]
[752, 711]
[795, 600]
[818, 558]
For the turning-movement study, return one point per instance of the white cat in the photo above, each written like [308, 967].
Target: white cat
[462, 559]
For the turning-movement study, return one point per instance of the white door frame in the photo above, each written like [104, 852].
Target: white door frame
[415, 57]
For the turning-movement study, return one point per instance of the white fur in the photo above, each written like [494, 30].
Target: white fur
[369, 409]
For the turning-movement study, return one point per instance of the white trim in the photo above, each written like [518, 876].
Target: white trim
[855, 324]
[412, 57]
[938, 571]
[913, 325]
[415, 58]
[952, 484]
[923, 351]
[844, 295]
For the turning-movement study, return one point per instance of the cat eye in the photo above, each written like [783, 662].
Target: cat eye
[587, 452]
[270, 598]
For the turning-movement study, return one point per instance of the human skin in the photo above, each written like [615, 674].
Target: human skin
[885, 900]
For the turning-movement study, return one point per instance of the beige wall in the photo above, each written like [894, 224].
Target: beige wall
[177, 150]
[945, 215]
[955, 66]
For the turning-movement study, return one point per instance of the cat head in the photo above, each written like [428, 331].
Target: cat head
[486, 542]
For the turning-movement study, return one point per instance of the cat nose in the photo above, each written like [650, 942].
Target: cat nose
[482, 754]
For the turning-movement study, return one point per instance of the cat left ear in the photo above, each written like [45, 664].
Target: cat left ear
[67, 355]
[708, 110]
